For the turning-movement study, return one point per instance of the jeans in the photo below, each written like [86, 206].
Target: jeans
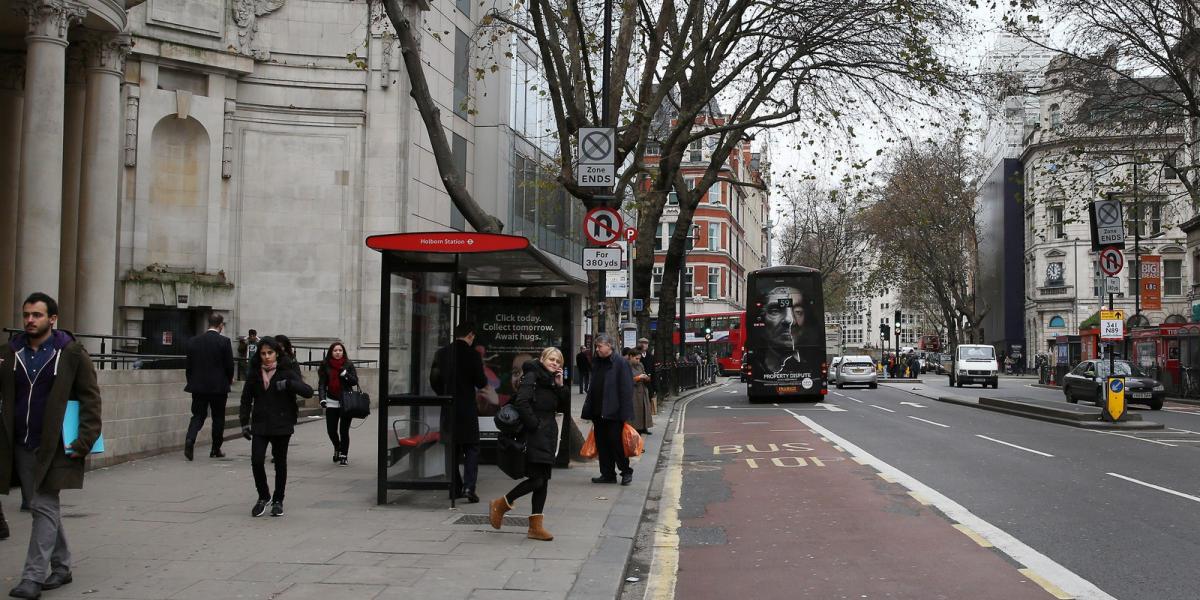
[338, 428]
[258, 457]
[469, 453]
[610, 448]
[201, 405]
[48, 551]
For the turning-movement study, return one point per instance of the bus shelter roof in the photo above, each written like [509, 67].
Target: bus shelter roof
[490, 259]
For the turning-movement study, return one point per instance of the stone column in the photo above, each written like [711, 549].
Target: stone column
[39, 211]
[12, 74]
[99, 207]
[72, 156]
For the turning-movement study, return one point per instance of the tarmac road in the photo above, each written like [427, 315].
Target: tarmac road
[1090, 514]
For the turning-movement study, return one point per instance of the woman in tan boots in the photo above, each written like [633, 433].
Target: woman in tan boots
[540, 396]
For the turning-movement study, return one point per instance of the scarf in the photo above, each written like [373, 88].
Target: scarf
[335, 381]
[267, 372]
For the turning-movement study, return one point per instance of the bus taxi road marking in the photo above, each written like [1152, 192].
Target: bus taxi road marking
[913, 404]
[1156, 487]
[1038, 452]
[975, 537]
[927, 421]
[1039, 567]
[882, 408]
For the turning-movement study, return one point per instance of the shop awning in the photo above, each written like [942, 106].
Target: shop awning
[482, 258]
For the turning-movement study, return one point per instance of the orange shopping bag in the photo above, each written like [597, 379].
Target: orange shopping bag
[588, 450]
[632, 440]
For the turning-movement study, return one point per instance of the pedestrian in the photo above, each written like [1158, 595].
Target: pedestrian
[40, 370]
[286, 343]
[537, 400]
[649, 365]
[457, 371]
[209, 371]
[643, 413]
[336, 376]
[268, 416]
[247, 349]
[583, 368]
[609, 406]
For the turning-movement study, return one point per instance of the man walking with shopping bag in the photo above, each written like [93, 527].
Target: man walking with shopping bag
[609, 406]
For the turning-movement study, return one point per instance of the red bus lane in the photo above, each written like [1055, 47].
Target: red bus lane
[769, 509]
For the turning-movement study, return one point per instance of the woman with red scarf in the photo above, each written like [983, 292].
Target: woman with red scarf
[335, 377]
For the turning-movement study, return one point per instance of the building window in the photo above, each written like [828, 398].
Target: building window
[714, 282]
[714, 236]
[1173, 277]
[1097, 280]
[462, 66]
[464, 6]
[695, 153]
[1149, 222]
[653, 149]
[459, 150]
[1057, 321]
[656, 277]
[689, 285]
[1055, 115]
[714, 194]
[1057, 226]
[660, 240]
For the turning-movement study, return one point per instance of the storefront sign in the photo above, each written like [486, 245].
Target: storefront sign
[448, 242]
[1151, 282]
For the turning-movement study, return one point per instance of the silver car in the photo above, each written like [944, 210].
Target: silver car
[857, 370]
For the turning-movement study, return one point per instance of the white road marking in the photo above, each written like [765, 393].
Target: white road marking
[882, 408]
[1076, 586]
[856, 400]
[913, 404]
[1133, 437]
[927, 421]
[1157, 487]
[832, 407]
[838, 394]
[1014, 445]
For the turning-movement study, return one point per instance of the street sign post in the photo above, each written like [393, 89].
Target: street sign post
[1114, 399]
[602, 225]
[597, 154]
[1108, 224]
[1111, 260]
[601, 259]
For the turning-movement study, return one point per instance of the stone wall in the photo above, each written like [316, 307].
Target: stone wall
[146, 412]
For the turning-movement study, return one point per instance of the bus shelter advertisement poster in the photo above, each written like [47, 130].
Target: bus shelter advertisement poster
[787, 333]
[509, 332]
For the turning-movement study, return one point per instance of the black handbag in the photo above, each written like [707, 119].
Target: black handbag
[510, 455]
[508, 420]
[356, 404]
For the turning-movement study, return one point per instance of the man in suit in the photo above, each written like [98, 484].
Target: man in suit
[209, 373]
[457, 371]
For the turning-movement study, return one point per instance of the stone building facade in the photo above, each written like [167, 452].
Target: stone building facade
[177, 157]
[1085, 147]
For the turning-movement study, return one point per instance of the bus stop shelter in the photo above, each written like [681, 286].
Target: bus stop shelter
[423, 294]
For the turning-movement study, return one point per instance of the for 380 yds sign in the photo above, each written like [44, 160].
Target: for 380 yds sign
[601, 259]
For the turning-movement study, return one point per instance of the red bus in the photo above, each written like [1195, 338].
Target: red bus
[728, 338]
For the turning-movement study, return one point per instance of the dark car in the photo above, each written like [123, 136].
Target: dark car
[1086, 382]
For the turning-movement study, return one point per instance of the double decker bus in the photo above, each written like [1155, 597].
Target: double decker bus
[728, 337]
[785, 335]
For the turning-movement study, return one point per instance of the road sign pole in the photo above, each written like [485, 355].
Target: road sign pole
[1112, 361]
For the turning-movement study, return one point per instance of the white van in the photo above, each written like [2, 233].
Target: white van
[975, 363]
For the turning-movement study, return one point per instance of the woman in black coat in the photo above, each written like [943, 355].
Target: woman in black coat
[539, 397]
[335, 377]
[268, 416]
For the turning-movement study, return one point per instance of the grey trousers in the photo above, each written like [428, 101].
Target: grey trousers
[47, 543]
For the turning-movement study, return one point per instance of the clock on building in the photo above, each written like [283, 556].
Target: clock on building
[1054, 272]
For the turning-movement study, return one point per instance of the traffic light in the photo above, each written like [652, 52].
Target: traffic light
[898, 318]
[708, 332]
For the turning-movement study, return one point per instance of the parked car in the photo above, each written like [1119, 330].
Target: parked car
[857, 370]
[833, 368]
[975, 363]
[1086, 382]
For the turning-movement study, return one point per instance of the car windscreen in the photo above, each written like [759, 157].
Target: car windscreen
[977, 353]
[1122, 368]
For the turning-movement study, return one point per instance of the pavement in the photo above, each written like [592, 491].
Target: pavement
[164, 528]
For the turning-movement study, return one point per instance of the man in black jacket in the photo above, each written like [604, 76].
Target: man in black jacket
[583, 368]
[458, 371]
[609, 406]
[209, 373]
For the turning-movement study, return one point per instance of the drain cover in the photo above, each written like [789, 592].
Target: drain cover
[484, 520]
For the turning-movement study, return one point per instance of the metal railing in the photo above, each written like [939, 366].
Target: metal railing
[673, 378]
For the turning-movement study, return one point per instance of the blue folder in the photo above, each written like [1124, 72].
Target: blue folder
[71, 429]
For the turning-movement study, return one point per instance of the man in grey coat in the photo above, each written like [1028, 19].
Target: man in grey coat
[609, 406]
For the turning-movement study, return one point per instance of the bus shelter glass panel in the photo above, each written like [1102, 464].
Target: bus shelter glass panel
[420, 311]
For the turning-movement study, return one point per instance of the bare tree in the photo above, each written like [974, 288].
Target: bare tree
[923, 226]
[824, 229]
